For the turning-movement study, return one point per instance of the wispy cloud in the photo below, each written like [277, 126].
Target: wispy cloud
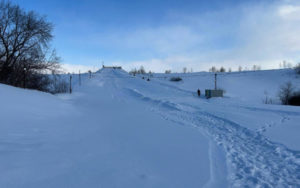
[264, 34]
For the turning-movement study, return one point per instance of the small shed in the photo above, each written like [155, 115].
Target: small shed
[209, 93]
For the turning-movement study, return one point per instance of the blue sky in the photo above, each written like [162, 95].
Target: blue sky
[174, 34]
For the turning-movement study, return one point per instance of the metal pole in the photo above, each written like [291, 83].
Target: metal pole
[215, 81]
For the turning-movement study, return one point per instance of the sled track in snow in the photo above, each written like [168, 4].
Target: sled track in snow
[252, 159]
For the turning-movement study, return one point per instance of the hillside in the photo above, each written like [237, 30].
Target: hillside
[116, 130]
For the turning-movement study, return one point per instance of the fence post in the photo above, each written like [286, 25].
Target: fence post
[215, 81]
[70, 83]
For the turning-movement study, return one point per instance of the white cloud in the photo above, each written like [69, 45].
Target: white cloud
[261, 34]
[266, 36]
[289, 12]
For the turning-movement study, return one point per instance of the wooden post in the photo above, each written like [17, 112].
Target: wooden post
[215, 81]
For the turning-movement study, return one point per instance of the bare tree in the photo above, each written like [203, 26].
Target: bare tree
[133, 72]
[285, 65]
[184, 70]
[213, 69]
[286, 91]
[256, 68]
[240, 68]
[142, 70]
[24, 47]
[222, 69]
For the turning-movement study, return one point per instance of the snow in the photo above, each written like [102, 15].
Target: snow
[116, 130]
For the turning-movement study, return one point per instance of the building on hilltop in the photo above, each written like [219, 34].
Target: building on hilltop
[111, 67]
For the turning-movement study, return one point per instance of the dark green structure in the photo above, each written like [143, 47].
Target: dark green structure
[209, 93]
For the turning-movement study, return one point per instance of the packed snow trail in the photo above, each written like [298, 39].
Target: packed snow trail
[253, 160]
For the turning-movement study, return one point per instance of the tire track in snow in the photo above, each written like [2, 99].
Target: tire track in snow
[252, 158]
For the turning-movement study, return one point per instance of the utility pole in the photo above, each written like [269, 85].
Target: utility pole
[215, 81]
[70, 83]
[24, 69]
[79, 78]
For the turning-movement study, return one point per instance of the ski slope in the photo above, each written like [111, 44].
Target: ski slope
[117, 130]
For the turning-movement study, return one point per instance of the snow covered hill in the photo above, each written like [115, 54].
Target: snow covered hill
[117, 130]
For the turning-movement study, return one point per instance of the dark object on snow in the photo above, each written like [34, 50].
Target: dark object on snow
[286, 91]
[199, 92]
[213, 93]
[175, 79]
[111, 67]
[148, 79]
[143, 77]
[70, 87]
[294, 100]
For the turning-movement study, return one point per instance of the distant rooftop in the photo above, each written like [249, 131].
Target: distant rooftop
[111, 67]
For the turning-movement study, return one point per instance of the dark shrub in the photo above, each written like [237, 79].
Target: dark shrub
[286, 91]
[175, 79]
[297, 68]
[294, 100]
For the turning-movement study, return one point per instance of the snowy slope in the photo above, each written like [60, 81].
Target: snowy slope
[94, 138]
[243, 102]
[246, 86]
[239, 127]
[117, 130]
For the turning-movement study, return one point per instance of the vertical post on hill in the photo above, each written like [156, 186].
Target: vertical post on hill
[90, 74]
[79, 78]
[24, 81]
[215, 81]
[70, 83]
